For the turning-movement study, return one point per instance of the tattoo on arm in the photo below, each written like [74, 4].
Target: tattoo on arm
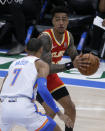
[46, 55]
[56, 68]
[71, 50]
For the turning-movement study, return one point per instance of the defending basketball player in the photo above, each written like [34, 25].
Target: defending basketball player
[56, 41]
[19, 88]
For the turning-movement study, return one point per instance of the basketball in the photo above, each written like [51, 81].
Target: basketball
[94, 64]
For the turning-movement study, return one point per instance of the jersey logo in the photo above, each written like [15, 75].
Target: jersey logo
[54, 46]
[57, 54]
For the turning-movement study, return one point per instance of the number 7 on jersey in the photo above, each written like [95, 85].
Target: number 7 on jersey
[16, 72]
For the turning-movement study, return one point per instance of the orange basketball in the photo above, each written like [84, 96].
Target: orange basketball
[94, 64]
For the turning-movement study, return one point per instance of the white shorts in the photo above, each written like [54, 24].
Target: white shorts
[21, 112]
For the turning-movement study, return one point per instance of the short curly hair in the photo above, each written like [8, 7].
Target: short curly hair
[34, 45]
[60, 9]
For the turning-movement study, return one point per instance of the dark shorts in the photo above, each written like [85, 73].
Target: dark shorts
[58, 94]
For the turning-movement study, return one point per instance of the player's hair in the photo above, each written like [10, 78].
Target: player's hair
[34, 45]
[60, 9]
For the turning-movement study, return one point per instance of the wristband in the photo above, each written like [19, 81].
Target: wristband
[69, 65]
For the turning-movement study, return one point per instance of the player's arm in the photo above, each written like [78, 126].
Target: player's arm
[43, 71]
[47, 57]
[47, 45]
[78, 61]
[71, 50]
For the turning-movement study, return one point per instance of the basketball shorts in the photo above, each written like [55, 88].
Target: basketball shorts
[56, 88]
[23, 113]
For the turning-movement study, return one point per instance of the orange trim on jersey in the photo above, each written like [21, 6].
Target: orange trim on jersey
[55, 38]
[57, 88]
[42, 125]
[38, 110]
[35, 86]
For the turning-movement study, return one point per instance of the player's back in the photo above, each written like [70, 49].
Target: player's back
[21, 78]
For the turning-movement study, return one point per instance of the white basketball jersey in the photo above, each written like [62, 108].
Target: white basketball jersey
[21, 78]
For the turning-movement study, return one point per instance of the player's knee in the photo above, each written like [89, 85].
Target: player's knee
[71, 107]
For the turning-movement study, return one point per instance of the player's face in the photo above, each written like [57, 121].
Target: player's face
[60, 22]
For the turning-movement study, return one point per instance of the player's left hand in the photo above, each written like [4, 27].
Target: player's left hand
[66, 119]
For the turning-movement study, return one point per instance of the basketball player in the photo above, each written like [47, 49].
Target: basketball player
[19, 88]
[56, 41]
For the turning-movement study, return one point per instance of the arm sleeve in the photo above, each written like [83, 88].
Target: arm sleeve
[45, 94]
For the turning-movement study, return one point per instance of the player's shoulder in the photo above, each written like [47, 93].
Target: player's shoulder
[41, 63]
[70, 34]
[46, 34]
[47, 30]
[71, 37]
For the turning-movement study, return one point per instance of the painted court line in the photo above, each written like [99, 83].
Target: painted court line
[91, 108]
[87, 83]
[71, 81]
[83, 108]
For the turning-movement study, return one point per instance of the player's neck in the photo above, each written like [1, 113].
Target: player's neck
[37, 54]
[58, 35]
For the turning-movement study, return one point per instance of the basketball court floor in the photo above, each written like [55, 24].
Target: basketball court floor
[88, 94]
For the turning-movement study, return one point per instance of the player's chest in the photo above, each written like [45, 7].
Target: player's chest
[58, 49]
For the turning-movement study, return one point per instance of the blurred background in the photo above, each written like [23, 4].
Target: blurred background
[22, 19]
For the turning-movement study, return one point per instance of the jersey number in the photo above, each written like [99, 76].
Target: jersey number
[16, 72]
